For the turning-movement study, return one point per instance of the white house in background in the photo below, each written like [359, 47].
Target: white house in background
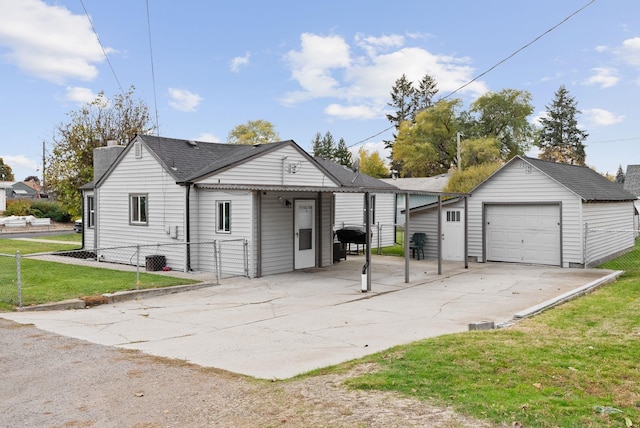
[4, 185]
[274, 199]
[541, 212]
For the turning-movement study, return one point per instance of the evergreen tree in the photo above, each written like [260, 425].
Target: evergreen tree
[325, 147]
[620, 175]
[560, 140]
[342, 155]
[402, 99]
[423, 96]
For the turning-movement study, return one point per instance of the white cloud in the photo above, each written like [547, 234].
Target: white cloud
[630, 51]
[184, 100]
[606, 77]
[600, 117]
[208, 138]
[363, 74]
[48, 42]
[535, 120]
[80, 95]
[20, 161]
[239, 61]
[351, 112]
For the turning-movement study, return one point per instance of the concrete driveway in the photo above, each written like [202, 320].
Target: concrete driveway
[283, 325]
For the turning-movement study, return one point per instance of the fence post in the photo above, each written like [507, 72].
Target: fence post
[246, 257]
[19, 278]
[584, 249]
[138, 267]
[215, 261]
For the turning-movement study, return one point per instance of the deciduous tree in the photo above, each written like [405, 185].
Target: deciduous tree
[253, 132]
[6, 173]
[372, 164]
[428, 146]
[70, 162]
[560, 140]
[503, 115]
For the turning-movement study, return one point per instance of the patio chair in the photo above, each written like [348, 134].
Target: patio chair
[417, 243]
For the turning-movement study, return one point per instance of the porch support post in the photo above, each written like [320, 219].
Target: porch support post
[406, 237]
[367, 226]
[466, 231]
[439, 234]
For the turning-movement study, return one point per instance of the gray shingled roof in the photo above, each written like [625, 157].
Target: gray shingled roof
[581, 180]
[632, 180]
[186, 160]
[347, 178]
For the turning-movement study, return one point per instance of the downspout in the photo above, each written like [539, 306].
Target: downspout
[187, 225]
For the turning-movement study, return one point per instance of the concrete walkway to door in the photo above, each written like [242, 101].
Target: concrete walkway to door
[282, 325]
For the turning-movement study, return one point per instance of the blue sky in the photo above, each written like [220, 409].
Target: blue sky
[311, 67]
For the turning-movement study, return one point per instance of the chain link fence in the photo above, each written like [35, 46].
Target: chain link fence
[617, 249]
[130, 268]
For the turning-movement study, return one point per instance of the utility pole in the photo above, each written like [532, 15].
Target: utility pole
[459, 157]
[44, 168]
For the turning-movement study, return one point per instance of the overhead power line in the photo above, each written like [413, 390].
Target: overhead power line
[153, 74]
[104, 51]
[492, 67]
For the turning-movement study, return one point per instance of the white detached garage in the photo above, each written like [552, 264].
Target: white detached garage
[535, 211]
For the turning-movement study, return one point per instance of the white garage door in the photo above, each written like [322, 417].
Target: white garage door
[523, 234]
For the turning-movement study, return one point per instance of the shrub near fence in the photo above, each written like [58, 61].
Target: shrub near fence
[200, 261]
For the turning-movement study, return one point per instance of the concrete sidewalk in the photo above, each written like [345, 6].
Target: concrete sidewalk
[283, 325]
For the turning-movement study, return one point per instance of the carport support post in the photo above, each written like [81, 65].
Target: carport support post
[406, 237]
[367, 228]
[439, 234]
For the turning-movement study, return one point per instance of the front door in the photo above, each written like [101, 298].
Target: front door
[305, 234]
[453, 234]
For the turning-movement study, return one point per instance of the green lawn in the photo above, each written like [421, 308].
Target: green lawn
[44, 281]
[70, 237]
[576, 365]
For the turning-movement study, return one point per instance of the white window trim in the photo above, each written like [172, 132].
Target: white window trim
[91, 211]
[219, 213]
[137, 197]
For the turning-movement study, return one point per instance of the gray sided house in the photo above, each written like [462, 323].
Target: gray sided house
[274, 199]
[536, 211]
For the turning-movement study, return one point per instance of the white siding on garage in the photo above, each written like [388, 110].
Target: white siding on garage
[612, 227]
[166, 208]
[519, 183]
[286, 166]
[426, 221]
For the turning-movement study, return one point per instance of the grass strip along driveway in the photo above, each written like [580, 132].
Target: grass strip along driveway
[44, 281]
[576, 365]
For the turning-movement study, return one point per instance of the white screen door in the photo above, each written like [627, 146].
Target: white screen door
[305, 234]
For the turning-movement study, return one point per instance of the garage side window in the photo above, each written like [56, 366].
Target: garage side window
[138, 209]
[91, 217]
[453, 216]
[224, 217]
